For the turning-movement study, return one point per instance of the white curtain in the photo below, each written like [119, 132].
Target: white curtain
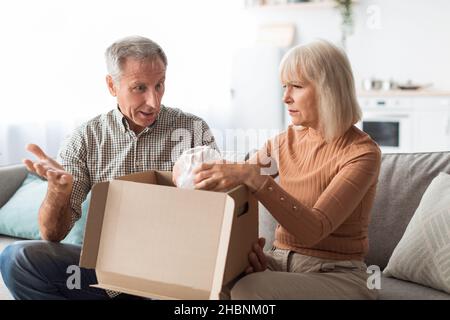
[15, 135]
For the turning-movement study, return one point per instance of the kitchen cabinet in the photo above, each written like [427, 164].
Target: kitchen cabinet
[407, 122]
[432, 120]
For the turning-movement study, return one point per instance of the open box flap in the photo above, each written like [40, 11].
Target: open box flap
[244, 232]
[223, 249]
[92, 233]
[164, 178]
[146, 288]
[142, 177]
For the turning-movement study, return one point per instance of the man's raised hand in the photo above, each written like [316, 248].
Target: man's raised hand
[59, 180]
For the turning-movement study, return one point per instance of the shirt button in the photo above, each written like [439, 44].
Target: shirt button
[294, 208]
[270, 188]
[282, 198]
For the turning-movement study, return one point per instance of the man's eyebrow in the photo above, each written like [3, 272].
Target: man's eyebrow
[139, 82]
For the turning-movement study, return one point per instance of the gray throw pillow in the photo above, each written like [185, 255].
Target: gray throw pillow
[423, 254]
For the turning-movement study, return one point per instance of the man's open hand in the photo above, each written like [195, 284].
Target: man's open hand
[59, 180]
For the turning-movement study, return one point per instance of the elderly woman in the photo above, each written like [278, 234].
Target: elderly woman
[328, 171]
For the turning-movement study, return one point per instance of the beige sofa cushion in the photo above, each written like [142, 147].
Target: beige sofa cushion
[423, 254]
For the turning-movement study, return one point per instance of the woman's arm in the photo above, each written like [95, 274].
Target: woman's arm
[334, 206]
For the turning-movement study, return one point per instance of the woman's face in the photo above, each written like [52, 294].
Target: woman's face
[300, 99]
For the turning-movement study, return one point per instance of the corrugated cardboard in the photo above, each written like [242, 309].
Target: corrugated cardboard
[146, 237]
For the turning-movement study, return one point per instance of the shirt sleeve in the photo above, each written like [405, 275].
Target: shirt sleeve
[73, 157]
[207, 138]
[341, 197]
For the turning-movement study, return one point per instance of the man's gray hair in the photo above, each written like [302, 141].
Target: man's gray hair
[136, 47]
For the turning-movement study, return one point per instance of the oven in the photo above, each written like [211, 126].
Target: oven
[390, 123]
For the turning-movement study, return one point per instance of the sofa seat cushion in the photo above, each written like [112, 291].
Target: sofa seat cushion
[395, 289]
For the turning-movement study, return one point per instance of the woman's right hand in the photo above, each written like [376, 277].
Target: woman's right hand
[257, 257]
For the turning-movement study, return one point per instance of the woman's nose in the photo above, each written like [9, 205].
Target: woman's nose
[287, 97]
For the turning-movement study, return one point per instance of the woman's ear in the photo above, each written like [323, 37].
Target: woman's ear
[111, 85]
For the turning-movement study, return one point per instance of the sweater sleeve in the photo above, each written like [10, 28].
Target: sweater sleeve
[267, 157]
[333, 207]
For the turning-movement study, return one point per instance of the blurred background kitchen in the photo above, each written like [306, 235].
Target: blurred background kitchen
[223, 65]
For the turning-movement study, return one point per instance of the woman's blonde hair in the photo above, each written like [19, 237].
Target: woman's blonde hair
[327, 68]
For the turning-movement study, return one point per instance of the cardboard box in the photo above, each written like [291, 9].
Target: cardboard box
[146, 237]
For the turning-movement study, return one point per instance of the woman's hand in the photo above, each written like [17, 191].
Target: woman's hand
[221, 176]
[257, 257]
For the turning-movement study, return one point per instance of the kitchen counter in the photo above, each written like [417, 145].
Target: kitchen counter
[402, 93]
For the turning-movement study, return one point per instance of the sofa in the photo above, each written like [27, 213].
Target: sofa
[403, 180]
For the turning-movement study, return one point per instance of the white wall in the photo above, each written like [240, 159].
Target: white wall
[52, 52]
[410, 40]
[52, 65]
[52, 61]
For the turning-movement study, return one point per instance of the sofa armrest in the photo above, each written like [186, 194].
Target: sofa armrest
[11, 177]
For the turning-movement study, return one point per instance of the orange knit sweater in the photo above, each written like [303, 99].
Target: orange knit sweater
[325, 193]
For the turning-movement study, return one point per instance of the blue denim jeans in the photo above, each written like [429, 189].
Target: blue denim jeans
[38, 270]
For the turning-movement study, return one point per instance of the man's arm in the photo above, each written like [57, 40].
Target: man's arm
[55, 215]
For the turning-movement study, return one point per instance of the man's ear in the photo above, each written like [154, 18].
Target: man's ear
[111, 85]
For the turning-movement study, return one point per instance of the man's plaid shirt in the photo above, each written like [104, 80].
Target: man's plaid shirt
[105, 148]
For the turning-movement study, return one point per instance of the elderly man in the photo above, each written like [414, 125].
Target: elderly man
[140, 134]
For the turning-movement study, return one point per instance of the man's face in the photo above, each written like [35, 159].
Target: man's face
[139, 91]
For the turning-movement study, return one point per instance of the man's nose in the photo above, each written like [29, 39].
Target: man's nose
[153, 99]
